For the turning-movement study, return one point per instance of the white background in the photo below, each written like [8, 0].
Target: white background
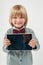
[35, 21]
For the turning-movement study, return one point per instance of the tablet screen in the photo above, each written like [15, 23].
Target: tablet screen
[19, 41]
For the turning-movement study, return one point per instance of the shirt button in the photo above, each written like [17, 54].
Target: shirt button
[20, 60]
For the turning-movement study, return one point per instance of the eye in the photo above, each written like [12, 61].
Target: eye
[21, 17]
[15, 17]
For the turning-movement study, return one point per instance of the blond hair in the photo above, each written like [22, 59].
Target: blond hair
[18, 10]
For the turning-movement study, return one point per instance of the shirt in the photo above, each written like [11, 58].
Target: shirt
[20, 57]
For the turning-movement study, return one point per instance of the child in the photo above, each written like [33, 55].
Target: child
[18, 20]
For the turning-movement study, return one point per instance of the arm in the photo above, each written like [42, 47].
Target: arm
[4, 47]
[37, 46]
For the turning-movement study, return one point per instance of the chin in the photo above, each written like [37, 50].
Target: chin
[19, 27]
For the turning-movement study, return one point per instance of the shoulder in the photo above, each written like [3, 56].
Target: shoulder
[29, 30]
[9, 30]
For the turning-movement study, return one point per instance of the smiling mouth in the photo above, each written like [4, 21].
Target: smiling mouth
[19, 23]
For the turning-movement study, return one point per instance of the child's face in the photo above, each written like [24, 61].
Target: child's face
[18, 21]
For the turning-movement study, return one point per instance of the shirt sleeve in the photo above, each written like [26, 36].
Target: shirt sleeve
[36, 40]
[4, 47]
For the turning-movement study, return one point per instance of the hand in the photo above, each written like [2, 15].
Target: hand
[7, 42]
[32, 43]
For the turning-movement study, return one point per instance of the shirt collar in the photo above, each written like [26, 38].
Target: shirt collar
[20, 28]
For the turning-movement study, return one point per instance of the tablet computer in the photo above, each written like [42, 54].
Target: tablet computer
[19, 41]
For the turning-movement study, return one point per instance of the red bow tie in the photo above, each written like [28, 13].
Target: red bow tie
[19, 31]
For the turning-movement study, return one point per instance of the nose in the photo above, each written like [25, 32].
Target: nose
[18, 20]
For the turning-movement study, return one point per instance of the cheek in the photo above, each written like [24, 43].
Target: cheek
[13, 21]
[22, 21]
